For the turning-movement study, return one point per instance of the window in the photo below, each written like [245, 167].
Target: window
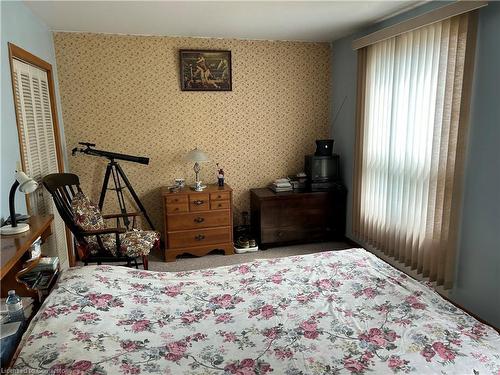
[412, 122]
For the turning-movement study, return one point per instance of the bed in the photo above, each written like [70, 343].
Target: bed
[331, 312]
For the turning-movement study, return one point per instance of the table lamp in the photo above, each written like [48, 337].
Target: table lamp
[197, 156]
[26, 185]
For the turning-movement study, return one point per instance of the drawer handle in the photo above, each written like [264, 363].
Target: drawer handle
[176, 209]
[198, 202]
[219, 205]
[219, 196]
[280, 234]
[199, 237]
[199, 220]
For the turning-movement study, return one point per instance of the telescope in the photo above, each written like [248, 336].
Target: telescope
[120, 180]
[90, 150]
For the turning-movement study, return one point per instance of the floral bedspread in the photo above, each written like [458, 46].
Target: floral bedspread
[332, 312]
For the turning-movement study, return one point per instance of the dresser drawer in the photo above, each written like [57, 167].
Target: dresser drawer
[220, 196]
[291, 212]
[177, 208]
[220, 205]
[198, 237]
[199, 202]
[293, 233]
[199, 220]
[176, 199]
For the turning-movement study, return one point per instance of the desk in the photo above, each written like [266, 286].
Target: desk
[13, 253]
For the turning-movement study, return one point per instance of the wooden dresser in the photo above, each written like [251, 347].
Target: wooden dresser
[198, 222]
[295, 217]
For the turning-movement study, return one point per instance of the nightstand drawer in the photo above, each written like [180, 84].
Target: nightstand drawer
[199, 220]
[177, 208]
[220, 196]
[199, 202]
[176, 199]
[198, 237]
[220, 205]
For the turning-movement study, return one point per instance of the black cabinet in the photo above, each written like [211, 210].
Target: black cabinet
[297, 217]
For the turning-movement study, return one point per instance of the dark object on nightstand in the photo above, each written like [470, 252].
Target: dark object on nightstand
[322, 171]
[324, 147]
[297, 217]
[220, 176]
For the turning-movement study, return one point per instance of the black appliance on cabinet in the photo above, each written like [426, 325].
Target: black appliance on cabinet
[323, 168]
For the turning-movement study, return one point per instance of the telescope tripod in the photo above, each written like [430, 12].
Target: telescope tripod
[114, 169]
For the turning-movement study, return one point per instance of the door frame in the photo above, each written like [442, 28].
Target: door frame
[18, 53]
[21, 54]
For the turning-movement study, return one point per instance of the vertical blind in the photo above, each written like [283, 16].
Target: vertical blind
[411, 127]
[36, 133]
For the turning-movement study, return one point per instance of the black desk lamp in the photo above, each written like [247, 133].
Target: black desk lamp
[26, 185]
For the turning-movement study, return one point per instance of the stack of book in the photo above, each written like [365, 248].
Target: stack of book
[40, 276]
[46, 264]
[281, 185]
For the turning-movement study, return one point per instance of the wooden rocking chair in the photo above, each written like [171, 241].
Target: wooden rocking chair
[95, 242]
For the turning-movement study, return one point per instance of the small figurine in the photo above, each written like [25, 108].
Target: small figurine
[220, 175]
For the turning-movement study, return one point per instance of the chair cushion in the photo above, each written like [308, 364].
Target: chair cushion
[138, 242]
[87, 215]
[133, 244]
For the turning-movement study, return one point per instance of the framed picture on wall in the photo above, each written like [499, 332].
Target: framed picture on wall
[205, 70]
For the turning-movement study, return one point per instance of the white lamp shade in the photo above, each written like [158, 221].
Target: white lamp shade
[196, 156]
[26, 184]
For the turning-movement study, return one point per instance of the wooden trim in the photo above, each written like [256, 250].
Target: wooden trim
[27, 57]
[16, 52]
[433, 16]
[21, 54]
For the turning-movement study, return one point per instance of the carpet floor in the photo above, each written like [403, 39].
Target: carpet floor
[215, 259]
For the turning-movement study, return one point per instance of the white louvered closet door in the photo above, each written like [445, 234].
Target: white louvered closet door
[38, 147]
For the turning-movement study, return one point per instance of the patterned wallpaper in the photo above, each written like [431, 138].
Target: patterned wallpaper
[123, 93]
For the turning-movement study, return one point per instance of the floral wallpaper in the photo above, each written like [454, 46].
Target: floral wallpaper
[123, 93]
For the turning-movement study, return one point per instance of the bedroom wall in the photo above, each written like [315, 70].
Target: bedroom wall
[477, 281]
[21, 27]
[122, 92]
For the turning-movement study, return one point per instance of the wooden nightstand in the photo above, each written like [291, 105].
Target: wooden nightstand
[197, 222]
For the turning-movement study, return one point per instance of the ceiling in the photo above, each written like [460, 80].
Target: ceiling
[271, 20]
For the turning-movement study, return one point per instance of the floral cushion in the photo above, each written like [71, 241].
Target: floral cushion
[138, 242]
[87, 214]
[133, 244]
